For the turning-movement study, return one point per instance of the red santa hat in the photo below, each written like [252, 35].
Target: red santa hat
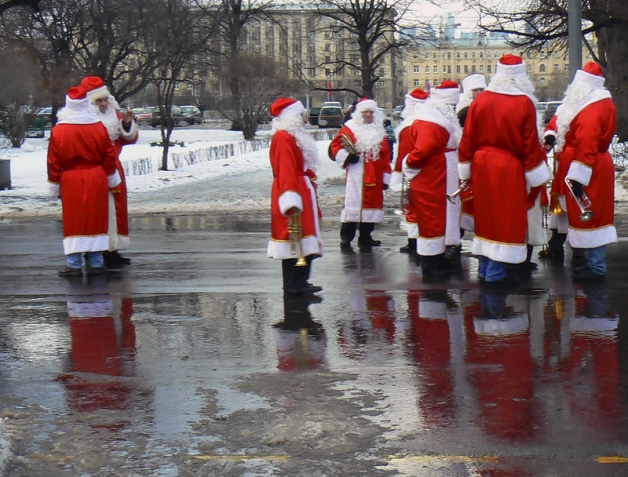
[472, 82]
[416, 96]
[95, 87]
[590, 75]
[76, 93]
[286, 107]
[447, 92]
[365, 104]
[512, 66]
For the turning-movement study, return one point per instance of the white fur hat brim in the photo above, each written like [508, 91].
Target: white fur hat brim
[446, 95]
[366, 105]
[294, 109]
[591, 81]
[512, 71]
[472, 82]
[98, 93]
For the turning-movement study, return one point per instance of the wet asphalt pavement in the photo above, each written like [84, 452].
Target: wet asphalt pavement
[190, 363]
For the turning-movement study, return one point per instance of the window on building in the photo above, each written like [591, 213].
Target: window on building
[427, 69]
[382, 72]
[327, 72]
[542, 67]
[435, 69]
[529, 68]
[427, 56]
[176, 87]
[489, 54]
[417, 69]
[458, 55]
[556, 67]
[556, 54]
[327, 46]
[449, 69]
[466, 69]
[567, 67]
[473, 55]
[417, 82]
[457, 68]
[381, 84]
[327, 59]
[444, 55]
[481, 55]
[466, 55]
[416, 56]
[472, 68]
[435, 56]
[327, 36]
[489, 68]
[190, 86]
[481, 68]
[542, 54]
[542, 81]
[449, 55]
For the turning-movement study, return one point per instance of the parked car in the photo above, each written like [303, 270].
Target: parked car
[44, 116]
[397, 112]
[191, 114]
[550, 110]
[177, 116]
[146, 116]
[330, 117]
[313, 116]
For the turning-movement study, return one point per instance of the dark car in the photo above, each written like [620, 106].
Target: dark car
[550, 110]
[177, 116]
[313, 116]
[191, 114]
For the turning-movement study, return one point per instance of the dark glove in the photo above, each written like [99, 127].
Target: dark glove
[352, 159]
[577, 188]
[550, 140]
[385, 186]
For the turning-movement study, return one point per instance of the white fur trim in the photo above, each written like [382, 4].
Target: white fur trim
[464, 170]
[472, 82]
[282, 250]
[452, 228]
[114, 179]
[512, 71]
[366, 105]
[77, 111]
[591, 238]
[412, 230]
[592, 81]
[549, 132]
[446, 95]
[604, 326]
[560, 222]
[90, 309]
[98, 93]
[131, 133]
[341, 156]
[386, 178]
[116, 241]
[288, 200]
[80, 244]
[54, 189]
[430, 246]
[444, 115]
[539, 175]
[396, 179]
[295, 109]
[409, 172]
[467, 222]
[430, 309]
[537, 235]
[500, 252]
[512, 325]
[580, 172]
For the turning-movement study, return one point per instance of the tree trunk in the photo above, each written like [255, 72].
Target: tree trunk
[613, 47]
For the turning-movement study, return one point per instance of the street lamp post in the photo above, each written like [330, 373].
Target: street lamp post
[574, 22]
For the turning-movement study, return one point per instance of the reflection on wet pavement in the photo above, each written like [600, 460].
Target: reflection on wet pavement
[385, 375]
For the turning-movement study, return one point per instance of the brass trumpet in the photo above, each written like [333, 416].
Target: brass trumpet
[295, 231]
[347, 144]
[464, 185]
[583, 202]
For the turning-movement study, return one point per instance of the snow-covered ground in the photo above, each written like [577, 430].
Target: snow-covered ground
[240, 182]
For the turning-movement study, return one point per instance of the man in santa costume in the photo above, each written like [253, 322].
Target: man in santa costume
[586, 125]
[501, 153]
[122, 130]
[368, 173]
[294, 157]
[405, 141]
[437, 135]
[81, 169]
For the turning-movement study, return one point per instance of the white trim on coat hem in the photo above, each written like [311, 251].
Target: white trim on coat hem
[499, 252]
[362, 215]
[282, 249]
[430, 246]
[412, 230]
[592, 238]
[80, 244]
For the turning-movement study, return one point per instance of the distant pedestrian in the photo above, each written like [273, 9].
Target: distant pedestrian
[390, 135]
[296, 238]
[122, 130]
[361, 148]
[81, 169]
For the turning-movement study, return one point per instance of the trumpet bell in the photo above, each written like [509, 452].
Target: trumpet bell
[451, 198]
[586, 216]
[557, 210]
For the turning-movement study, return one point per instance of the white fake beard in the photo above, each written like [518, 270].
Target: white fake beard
[110, 119]
[447, 110]
[575, 96]
[368, 137]
[522, 83]
[294, 125]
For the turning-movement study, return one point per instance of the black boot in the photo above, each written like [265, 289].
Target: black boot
[435, 266]
[554, 246]
[365, 239]
[347, 234]
[409, 248]
[529, 264]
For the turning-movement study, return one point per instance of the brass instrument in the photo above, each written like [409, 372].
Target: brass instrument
[464, 185]
[295, 230]
[347, 144]
[405, 195]
[583, 202]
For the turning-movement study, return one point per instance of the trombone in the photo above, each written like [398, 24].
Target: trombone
[583, 202]
[295, 231]
[464, 185]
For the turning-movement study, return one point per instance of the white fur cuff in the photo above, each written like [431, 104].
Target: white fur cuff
[464, 171]
[580, 172]
[537, 176]
[114, 179]
[131, 133]
[54, 189]
[387, 178]
[395, 181]
[288, 200]
[341, 156]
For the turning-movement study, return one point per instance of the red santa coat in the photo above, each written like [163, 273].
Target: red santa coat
[428, 184]
[293, 186]
[81, 163]
[364, 190]
[119, 211]
[500, 151]
[589, 162]
[405, 144]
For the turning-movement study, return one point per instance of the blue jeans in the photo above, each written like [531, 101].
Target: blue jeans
[490, 270]
[94, 259]
[596, 259]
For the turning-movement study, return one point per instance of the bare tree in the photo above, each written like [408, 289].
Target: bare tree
[32, 4]
[373, 29]
[232, 18]
[20, 84]
[537, 22]
[181, 32]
